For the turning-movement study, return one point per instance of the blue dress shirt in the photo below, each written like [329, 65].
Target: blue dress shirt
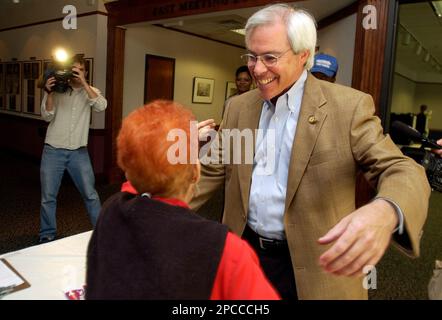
[277, 127]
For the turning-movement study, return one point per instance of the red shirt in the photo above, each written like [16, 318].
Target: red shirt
[239, 275]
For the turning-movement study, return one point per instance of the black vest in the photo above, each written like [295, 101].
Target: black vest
[146, 249]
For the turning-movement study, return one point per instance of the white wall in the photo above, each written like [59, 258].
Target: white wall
[194, 57]
[39, 41]
[338, 40]
[403, 99]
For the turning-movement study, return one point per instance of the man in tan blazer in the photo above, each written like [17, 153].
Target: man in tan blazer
[300, 215]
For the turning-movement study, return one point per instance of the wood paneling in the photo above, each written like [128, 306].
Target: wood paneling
[368, 69]
[114, 94]
[369, 53]
[25, 136]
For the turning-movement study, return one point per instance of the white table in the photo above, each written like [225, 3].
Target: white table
[51, 269]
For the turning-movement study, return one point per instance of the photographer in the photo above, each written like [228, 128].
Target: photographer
[68, 114]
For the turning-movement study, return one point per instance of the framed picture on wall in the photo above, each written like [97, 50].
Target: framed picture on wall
[31, 96]
[203, 90]
[46, 64]
[89, 69]
[13, 86]
[230, 89]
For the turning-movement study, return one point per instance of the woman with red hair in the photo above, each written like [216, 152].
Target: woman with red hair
[147, 243]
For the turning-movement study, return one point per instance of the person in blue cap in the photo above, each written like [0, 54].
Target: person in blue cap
[325, 67]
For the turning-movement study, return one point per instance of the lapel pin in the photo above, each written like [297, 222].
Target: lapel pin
[312, 120]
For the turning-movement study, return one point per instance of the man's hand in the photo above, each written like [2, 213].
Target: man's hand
[50, 83]
[361, 239]
[204, 128]
[79, 74]
[438, 151]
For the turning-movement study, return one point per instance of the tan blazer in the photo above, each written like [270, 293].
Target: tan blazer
[337, 133]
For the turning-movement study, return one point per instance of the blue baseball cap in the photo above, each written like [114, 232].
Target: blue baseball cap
[325, 64]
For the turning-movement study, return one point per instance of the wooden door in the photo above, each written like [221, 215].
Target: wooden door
[159, 78]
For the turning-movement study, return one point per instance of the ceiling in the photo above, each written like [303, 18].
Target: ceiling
[419, 20]
[218, 25]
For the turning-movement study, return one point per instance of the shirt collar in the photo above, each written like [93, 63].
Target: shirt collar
[128, 187]
[295, 92]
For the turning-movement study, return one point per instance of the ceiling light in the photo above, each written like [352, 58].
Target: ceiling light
[240, 31]
[418, 49]
[16, 1]
[406, 40]
[437, 7]
[61, 55]
[427, 57]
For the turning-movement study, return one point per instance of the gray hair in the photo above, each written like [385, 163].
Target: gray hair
[300, 25]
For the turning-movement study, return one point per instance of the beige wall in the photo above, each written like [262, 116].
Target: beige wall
[431, 95]
[404, 91]
[338, 40]
[194, 57]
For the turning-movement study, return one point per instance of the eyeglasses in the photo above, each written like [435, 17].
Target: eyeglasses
[268, 59]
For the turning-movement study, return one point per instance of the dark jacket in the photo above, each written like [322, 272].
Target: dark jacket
[146, 249]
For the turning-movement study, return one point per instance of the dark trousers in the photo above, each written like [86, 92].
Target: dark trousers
[276, 263]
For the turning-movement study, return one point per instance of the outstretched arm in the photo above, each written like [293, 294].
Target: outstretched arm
[438, 151]
[361, 238]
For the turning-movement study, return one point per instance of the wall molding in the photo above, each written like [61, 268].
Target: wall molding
[33, 24]
[339, 15]
[199, 36]
[416, 82]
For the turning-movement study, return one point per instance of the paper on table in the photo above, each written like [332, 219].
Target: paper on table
[8, 277]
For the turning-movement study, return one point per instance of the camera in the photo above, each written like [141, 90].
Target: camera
[431, 162]
[62, 74]
[62, 77]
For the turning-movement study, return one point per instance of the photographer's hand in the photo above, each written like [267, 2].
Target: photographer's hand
[204, 128]
[49, 84]
[439, 151]
[80, 76]
[48, 88]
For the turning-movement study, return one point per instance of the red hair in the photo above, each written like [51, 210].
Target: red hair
[142, 148]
